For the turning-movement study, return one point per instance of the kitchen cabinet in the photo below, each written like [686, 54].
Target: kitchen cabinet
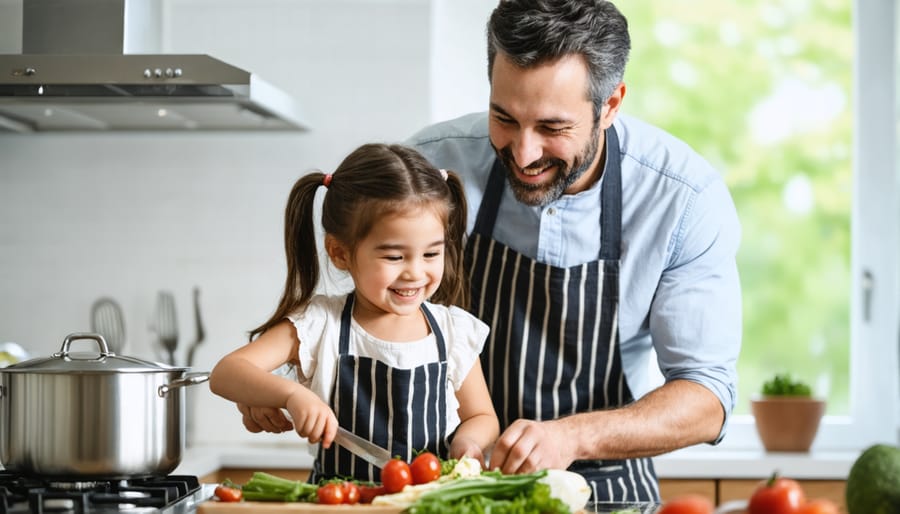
[724, 490]
[242, 475]
[671, 488]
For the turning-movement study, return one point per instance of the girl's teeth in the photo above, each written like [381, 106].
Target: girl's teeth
[405, 292]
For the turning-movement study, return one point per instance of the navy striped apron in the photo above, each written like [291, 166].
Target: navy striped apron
[553, 349]
[402, 410]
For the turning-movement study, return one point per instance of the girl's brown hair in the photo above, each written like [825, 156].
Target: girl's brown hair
[375, 180]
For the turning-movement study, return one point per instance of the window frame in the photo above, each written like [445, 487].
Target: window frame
[875, 239]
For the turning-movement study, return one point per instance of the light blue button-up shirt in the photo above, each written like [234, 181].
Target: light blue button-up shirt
[679, 288]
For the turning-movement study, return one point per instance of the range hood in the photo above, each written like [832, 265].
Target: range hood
[84, 67]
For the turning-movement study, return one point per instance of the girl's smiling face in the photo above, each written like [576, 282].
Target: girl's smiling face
[398, 265]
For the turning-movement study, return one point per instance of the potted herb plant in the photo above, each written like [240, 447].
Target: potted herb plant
[787, 414]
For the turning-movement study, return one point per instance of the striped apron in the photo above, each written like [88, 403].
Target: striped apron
[553, 348]
[402, 410]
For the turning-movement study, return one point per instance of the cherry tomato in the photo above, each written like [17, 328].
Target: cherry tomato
[395, 476]
[819, 506]
[425, 468]
[687, 504]
[776, 495]
[351, 492]
[367, 492]
[330, 494]
[228, 494]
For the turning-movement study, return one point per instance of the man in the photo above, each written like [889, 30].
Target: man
[593, 238]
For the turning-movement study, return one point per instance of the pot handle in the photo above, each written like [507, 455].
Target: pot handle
[104, 348]
[189, 379]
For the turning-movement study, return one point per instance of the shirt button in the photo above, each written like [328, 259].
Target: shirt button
[551, 211]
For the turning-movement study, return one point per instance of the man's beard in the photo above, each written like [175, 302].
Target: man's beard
[543, 194]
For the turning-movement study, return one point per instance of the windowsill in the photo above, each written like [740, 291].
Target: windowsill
[754, 464]
[689, 463]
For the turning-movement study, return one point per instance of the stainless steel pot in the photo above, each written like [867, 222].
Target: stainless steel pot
[91, 416]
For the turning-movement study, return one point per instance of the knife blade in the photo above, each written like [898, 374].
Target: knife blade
[363, 448]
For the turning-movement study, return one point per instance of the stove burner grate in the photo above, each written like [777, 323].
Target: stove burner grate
[136, 495]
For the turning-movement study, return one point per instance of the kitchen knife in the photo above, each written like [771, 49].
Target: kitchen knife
[367, 450]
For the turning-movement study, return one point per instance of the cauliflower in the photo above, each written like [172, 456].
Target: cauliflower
[569, 487]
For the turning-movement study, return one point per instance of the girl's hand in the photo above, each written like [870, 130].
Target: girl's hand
[465, 447]
[312, 418]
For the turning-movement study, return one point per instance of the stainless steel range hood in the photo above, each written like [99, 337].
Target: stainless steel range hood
[85, 67]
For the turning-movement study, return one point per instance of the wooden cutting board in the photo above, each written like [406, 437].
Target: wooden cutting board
[217, 507]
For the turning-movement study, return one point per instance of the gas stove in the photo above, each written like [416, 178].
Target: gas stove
[173, 494]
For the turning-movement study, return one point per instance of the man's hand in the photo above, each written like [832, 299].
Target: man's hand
[264, 419]
[528, 446]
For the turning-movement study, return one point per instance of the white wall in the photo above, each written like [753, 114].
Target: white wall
[125, 215]
[459, 81]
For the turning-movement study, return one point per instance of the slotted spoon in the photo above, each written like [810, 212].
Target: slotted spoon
[167, 325]
[107, 320]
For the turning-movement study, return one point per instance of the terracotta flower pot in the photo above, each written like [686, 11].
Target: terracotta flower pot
[787, 423]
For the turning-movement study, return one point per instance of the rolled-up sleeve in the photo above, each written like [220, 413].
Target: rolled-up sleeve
[695, 316]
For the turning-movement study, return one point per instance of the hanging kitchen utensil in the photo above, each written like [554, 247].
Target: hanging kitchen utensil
[167, 325]
[200, 332]
[107, 320]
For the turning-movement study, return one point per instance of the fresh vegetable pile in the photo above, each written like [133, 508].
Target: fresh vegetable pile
[490, 491]
[428, 485]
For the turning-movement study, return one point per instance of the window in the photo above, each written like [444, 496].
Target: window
[794, 103]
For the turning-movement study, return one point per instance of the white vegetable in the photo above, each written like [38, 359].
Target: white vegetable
[407, 496]
[466, 467]
[569, 487]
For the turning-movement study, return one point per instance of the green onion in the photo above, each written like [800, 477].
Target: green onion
[266, 487]
[492, 493]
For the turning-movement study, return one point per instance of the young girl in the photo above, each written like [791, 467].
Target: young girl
[393, 361]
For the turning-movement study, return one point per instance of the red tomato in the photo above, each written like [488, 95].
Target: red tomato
[819, 506]
[330, 494]
[367, 492]
[776, 495]
[395, 476]
[228, 494]
[425, 468]
[351, 492]
[687, 504]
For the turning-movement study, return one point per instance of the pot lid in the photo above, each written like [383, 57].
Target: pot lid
[100, 362]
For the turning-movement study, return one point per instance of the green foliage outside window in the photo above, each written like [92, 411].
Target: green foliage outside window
[763, 90]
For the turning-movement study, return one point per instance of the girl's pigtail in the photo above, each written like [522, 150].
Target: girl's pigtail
[300, 250]
[455, 283]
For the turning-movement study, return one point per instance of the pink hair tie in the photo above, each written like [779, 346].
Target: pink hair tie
[326, 180]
